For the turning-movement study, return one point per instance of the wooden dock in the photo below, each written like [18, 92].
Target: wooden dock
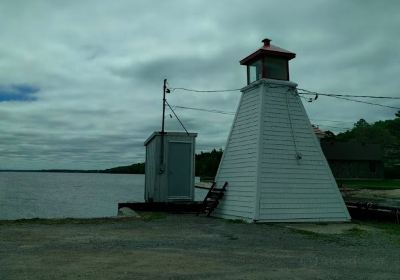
[171, 207]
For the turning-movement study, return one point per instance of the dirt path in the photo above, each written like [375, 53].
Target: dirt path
[190, 247]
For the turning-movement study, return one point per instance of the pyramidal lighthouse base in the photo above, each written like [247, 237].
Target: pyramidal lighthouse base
[273, 161]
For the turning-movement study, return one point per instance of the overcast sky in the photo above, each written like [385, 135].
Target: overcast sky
[81, 81]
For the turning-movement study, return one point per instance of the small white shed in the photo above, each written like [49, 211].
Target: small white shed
[170, 167]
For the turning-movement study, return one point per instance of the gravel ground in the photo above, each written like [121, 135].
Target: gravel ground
[190, 247]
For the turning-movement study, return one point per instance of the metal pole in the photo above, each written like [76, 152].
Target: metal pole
[163, 111]
[161, 170]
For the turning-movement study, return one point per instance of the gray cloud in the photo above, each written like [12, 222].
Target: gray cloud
[99, 68]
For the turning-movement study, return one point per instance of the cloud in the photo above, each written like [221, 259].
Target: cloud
[95, 70]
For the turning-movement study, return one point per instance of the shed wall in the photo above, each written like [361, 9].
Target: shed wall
[151, 170]
[156, 183]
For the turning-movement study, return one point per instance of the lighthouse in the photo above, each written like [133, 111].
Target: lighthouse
[272, 161]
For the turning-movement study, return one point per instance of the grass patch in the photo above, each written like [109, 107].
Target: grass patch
[389, 228]
[307, 232]
[370, 184]
[63, 221]
[152, 216]
[356, 231]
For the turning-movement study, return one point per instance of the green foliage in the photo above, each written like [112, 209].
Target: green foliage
[207, 163]
[386, 133]
[151, 216]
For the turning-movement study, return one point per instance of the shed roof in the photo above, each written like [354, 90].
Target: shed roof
[158, 133]
[351, 151]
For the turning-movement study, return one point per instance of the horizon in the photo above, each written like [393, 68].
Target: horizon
[83, 92]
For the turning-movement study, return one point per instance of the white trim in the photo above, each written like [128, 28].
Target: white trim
[259, 144]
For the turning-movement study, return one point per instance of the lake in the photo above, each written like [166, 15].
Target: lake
[25, 195]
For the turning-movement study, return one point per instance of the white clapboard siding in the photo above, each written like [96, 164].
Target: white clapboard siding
[239, 164]
[292, 189]
[266, 183]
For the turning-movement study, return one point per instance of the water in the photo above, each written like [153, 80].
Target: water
[61, 195]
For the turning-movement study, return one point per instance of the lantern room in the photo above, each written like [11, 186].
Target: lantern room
[269, 62]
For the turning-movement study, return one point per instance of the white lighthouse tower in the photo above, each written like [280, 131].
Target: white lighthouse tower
[272, 161]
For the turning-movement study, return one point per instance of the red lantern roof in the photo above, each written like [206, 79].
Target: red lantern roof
[267, 49]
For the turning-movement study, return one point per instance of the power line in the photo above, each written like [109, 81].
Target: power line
[206, 110]
[335, 121]
[177, 117]
[308, 92]
[197, 90]
[305, 91]
[232, 113]
[332, 126]
[366, 102]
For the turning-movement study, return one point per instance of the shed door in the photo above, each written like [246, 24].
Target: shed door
[179, 169]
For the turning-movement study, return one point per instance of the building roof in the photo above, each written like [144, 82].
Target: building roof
[320, 134]
[351, 151]
[267, 49]
[158, 133]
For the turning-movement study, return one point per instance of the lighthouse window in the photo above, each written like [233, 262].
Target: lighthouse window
[254, 72]
[276, 68]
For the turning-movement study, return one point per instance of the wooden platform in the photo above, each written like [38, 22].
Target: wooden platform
[172, 207]
[372, 211]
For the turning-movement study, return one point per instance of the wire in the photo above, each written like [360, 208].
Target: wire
[298, 154]
[177, 117]
[344, 95]
[323, 125]
[206, 110]
[366, 102]
[335, 121]
[306, 91]
[196, 90]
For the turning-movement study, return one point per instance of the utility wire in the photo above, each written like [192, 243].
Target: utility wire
[206, 110]
[232, 113]
[335, 121]
[177, 117]
[308, 92]
[323, 125]
[196, 90]
[305, 91]
[366, 102]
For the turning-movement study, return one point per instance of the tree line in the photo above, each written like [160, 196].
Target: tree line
[206, 165]
[384, 132]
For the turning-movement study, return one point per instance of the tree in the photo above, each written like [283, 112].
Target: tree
[361, 123]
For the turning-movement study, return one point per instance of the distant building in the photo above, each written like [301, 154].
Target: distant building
[353, 160]
[319, 133]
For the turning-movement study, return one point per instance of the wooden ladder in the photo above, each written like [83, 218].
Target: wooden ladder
[212, 198]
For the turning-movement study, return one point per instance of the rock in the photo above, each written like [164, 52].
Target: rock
[127, 212]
